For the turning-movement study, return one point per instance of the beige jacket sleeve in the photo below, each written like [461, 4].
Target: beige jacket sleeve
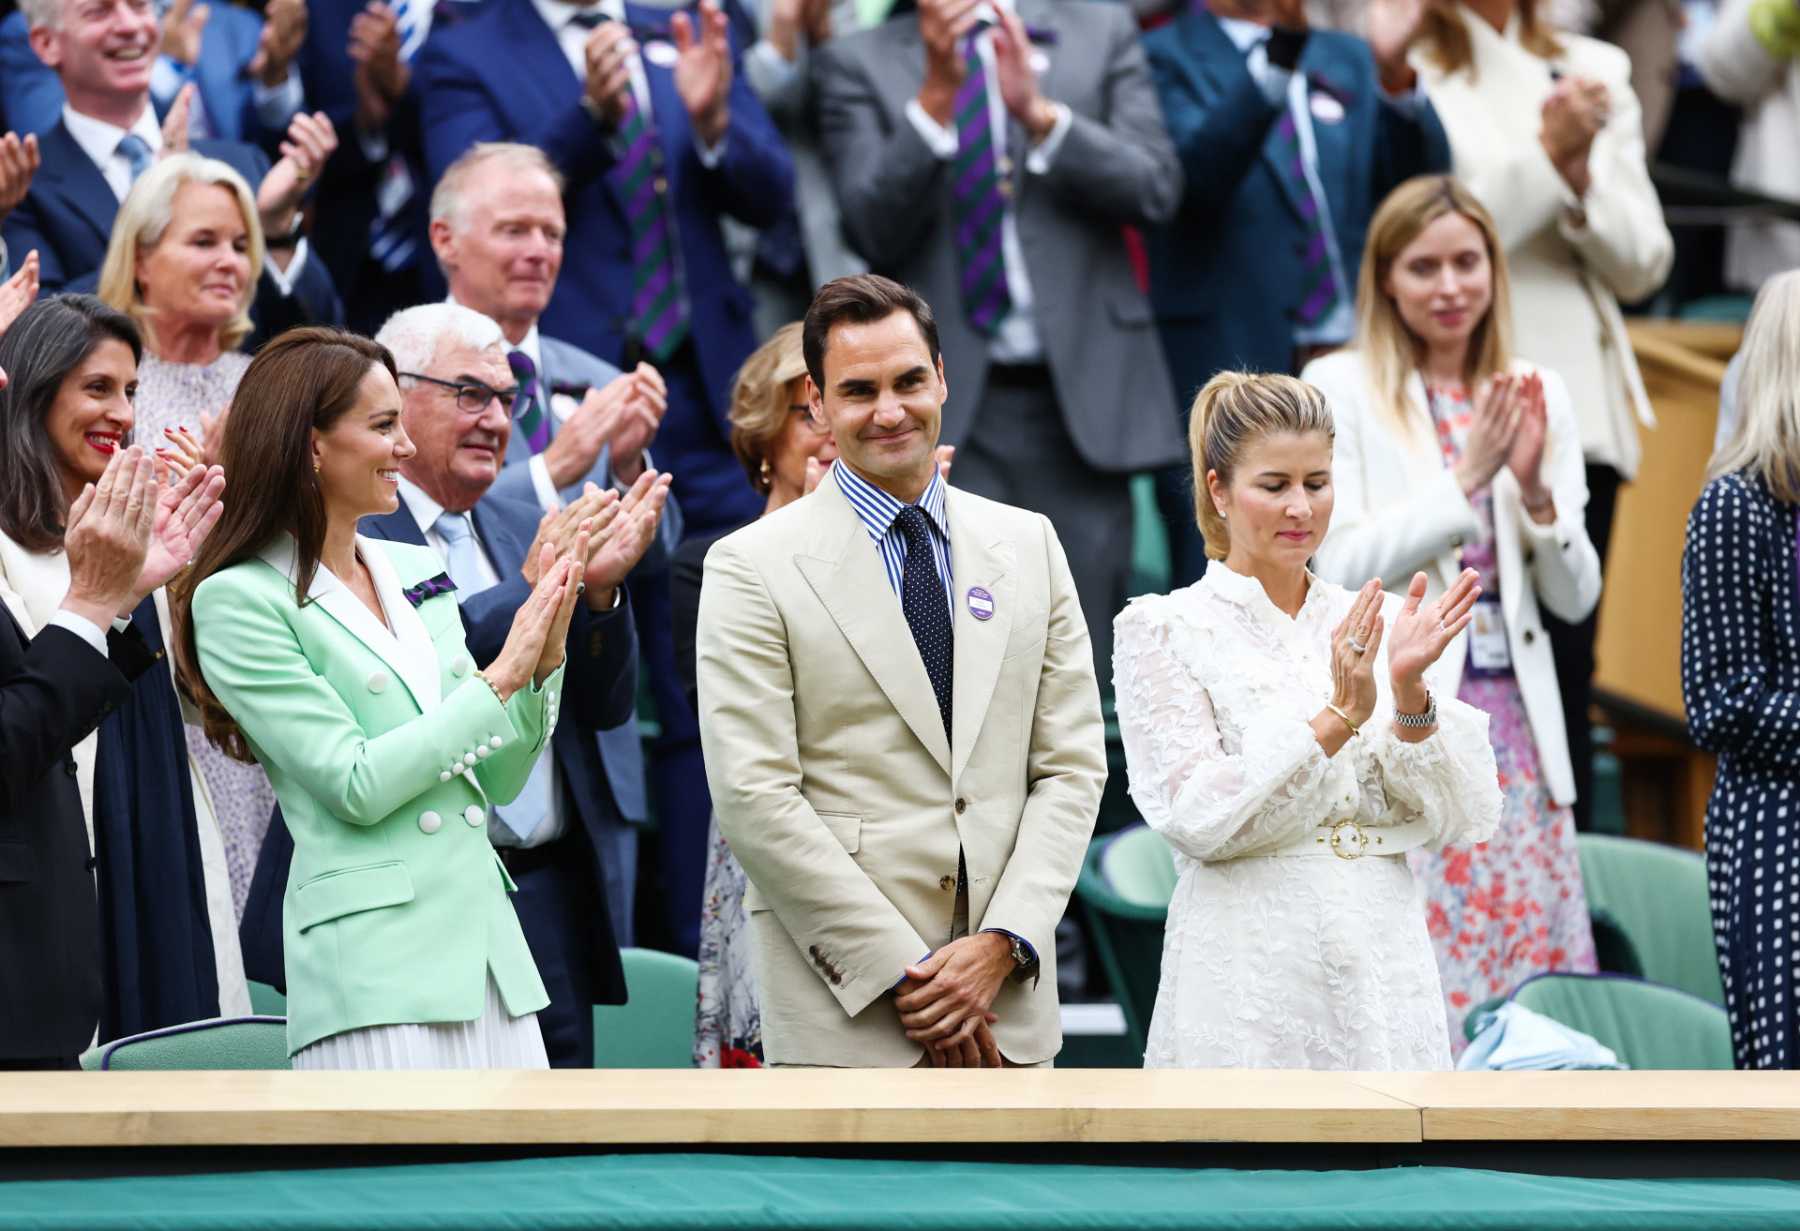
[833, 911]
[1065, 768]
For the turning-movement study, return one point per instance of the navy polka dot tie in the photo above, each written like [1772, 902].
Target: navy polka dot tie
[927, 609]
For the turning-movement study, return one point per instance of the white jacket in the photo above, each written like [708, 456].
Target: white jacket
[1740, 69]
[1567, 280]
[1399, 509]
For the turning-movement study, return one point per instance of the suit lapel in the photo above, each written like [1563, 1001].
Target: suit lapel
[337, 600]
[84, 191]
[979, 562]
[854, 589]
[504, 549]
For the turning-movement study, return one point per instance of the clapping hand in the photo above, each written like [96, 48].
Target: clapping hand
[1498, 405]
[183, 27]
[636, 421]
[311, 140]
[1393, 28]
[181, 454]
[1017, 80]
[177, 124]
[107, 535]
[1354, 643]
[943, 25]
[1423, 630]
[283, 34]
[381, 74]
[1526, 456]
[184, 514]
[608, 78]
[593, 511]
[703, 70]
[19, 161]
[529, 644]
[19, 291]
[1573, 115]
[628, 538]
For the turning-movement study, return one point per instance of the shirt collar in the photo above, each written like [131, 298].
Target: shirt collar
[1245, 591]
[558, 13]
[423, 508]
[530, 343]
[1243, 34]
[878, 509]
[100, 140]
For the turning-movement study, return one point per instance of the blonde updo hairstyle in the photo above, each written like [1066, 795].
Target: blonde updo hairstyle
[760, 401]
[1233, 412]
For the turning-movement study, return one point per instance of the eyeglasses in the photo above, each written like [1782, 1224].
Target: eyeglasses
[472, 397]
[804, 413]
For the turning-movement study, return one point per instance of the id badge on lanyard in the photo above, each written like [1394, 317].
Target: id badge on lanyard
[1489, 652]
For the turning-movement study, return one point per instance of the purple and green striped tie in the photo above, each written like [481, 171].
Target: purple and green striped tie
[528, 407]
[1321, 294]
[659, 307]
[980, 185]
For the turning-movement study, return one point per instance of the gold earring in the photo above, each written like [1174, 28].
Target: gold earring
[763, 474]
[317, 468]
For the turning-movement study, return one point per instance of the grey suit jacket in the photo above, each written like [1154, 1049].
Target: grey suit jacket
[1116, 168]
[620, 746]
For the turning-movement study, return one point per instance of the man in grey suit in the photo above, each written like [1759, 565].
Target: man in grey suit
[497, 227]
[989, 154]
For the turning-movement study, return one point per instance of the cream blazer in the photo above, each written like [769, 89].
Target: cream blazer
[1567, 280]
[1399, 509]
[1740, 69]
[838, 792]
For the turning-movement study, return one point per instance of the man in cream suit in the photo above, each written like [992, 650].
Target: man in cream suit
[901, 725]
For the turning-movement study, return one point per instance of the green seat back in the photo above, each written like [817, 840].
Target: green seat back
[656, 1029]
[1655, 897]
[1127, 930]
[217, 1043]
[1729, 309]
[265, 1001]
[1650, 1026]
[1150, 562]
[1138, 867]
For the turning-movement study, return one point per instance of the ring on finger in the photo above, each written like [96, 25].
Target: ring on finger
[1360, 647]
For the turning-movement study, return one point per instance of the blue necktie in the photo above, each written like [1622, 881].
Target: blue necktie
[927, 609]
[135, 151]
[524, 814]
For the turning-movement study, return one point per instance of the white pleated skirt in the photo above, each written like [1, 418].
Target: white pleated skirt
[495, 1040]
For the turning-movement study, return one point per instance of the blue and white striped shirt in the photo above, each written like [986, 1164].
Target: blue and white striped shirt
[879, 511]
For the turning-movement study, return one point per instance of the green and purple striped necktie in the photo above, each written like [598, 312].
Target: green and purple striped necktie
[1321, 294]
[981, 182]
[659, 307]
[528, 406]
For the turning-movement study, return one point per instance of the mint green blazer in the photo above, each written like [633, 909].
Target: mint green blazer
[385, 751]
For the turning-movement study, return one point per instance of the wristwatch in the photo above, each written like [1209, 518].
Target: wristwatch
[289, 238]
[1025, 963]
[1420, 721]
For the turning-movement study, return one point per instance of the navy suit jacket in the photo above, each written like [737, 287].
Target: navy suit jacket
[31, 95]
[1226, 273]
[529, 93]
[67, 216]
[600, 691]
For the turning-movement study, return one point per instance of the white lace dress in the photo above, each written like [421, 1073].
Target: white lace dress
[1305, 962]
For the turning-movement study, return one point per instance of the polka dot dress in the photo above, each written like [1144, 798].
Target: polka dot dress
[1740, 675]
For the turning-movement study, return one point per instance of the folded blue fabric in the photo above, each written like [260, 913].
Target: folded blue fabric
[1513, 1037]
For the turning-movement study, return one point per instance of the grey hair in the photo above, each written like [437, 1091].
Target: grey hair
[42, 13]
[145, 215]
[1766, 439]
[447, 197]
[415, 334]
[1233, 412]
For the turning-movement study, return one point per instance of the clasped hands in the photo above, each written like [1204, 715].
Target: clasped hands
[944, 1001]
[1509, 430]
[1421, 633]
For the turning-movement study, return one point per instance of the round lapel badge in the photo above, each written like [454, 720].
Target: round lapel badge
[661, 54]
[1040, 61]
[1325, 108]
[981, 603]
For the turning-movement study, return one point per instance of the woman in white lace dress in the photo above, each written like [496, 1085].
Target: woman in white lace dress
[1281, 734]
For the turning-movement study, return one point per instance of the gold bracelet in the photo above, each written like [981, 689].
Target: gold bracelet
[1355, 728]
[482, 676]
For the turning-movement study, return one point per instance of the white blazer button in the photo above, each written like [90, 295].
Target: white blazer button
[378, 682]
[444, 775]
[495, 742]
[474, 815]
[430, 822]
[483, 752]
[468, 759]
[460, 667]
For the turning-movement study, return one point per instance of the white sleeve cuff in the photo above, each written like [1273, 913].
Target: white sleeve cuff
[1272, 81]
[767, 70]
[81, 626]
[1038, 161]
[547, 496]
[166, 79]
[939, 139]
[286, 278]
[276, 104]
[710, 155]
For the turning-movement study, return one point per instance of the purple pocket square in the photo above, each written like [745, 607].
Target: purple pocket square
[431, 587]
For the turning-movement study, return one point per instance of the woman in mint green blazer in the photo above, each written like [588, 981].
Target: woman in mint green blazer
[338, 664]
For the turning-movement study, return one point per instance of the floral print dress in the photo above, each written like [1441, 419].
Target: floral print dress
[1513, 906]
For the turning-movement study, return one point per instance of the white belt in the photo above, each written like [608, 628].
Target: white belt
[1352, 839]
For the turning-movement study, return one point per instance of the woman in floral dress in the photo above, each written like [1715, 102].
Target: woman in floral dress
[1452, 454]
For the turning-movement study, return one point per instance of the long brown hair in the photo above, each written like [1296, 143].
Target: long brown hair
[304, 381]
[1445, 38]
[1390, 351]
